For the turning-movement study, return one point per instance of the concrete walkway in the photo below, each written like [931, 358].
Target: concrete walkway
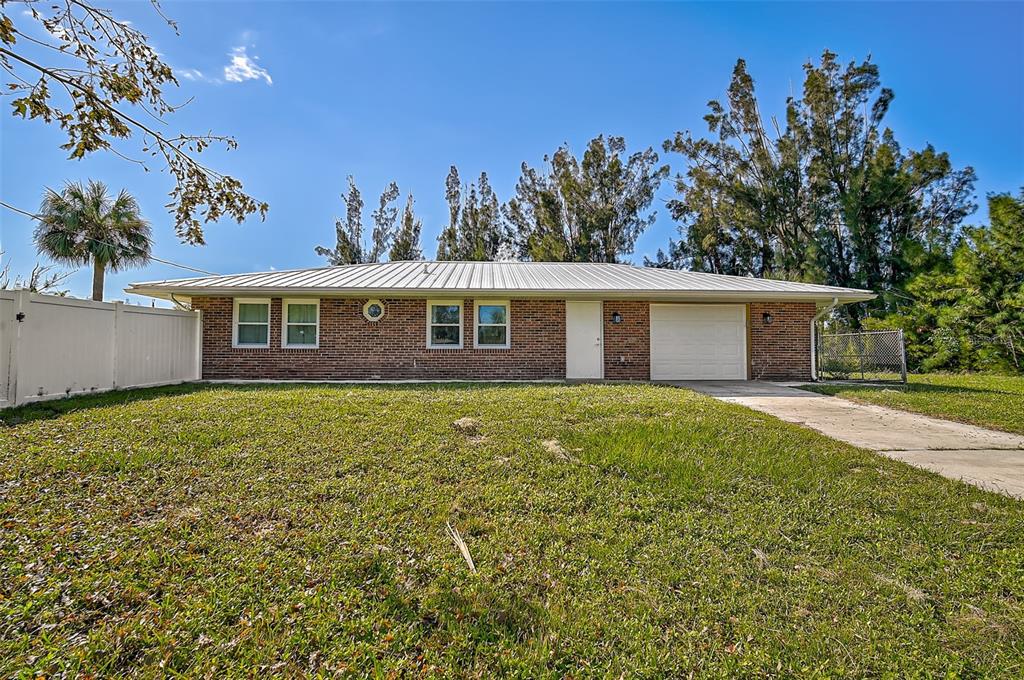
[987, 458]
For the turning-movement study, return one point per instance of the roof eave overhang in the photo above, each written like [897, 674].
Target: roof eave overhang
[843, 296]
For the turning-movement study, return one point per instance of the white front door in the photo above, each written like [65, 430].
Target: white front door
[698, 342]
[584, 341]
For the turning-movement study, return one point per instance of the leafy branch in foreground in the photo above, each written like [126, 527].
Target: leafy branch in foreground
[108, 79]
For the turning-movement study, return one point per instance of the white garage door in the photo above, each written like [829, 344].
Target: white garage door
[698, 342]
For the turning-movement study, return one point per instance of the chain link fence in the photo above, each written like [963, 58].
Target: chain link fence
[865, 355]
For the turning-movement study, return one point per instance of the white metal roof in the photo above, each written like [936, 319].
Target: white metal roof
[525, 279]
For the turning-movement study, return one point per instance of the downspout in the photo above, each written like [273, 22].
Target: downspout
[179, 305]
[814, 338]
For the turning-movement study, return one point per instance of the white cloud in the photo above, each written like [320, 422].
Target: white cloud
[243, 67]
[190, 73]
[196, 76]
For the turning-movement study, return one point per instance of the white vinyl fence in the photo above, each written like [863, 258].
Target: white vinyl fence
[54, 347]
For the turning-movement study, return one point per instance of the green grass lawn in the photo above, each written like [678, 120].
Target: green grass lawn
[637, 531]
[988, 400]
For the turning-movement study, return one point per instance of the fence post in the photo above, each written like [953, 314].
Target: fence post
[22, 300]
[115, 379]
[814, 350]
[858, 342]
[903, 358]
[199, 344]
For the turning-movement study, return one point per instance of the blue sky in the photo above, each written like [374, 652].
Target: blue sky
[316, 91]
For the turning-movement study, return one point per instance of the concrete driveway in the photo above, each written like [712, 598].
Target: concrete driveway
[987, 458]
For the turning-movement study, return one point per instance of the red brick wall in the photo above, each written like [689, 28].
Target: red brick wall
[352, 348]
[781, 350]
[627, 345]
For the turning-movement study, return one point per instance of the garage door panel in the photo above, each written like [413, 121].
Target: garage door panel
[698, 342]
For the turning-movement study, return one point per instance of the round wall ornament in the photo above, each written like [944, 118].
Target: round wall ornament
[373, 310]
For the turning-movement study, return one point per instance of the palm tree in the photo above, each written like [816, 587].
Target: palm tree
[83, 224]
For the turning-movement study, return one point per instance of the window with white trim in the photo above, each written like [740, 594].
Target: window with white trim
[252, 322]
[444, 324]
[301, 323]
[492, 326]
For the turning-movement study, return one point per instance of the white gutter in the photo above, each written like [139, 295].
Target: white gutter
[814, 339]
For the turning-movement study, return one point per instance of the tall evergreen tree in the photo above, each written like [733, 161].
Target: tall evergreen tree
[406, 245]
[589, 210]
[448, 241]
[476, 230]
[968, 314]
[385, 219]
[349, 248]
[830, 197]
[665, 259]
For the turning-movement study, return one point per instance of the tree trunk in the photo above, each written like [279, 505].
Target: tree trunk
[98, 272]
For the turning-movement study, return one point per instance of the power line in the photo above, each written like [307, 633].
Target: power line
[110, 245]
[168, 262]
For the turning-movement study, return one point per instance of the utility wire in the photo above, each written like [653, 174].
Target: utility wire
[110, 245]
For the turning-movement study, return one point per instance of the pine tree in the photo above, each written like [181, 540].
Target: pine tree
[476, 230]
[385, 218]
[968, 313]
[831, 197]
[348, 248]
[448, 242]
[589, 210]
[406, 245]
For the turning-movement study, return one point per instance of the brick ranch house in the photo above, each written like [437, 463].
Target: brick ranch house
[502, 321]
